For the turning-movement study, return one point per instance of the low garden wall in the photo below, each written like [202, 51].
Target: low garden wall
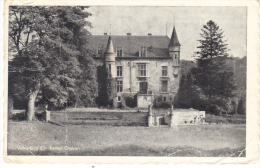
[101, 118]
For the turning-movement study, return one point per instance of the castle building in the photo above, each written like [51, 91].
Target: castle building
[137, 70]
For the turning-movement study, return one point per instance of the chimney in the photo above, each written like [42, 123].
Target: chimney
[149, 34]
[129, 34]
[105, 34]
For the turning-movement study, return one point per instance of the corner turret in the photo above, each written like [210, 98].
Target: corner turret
[174, 47]
[110, 53]
[110, 64]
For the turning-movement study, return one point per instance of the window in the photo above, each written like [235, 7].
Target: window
[119, 86]
[119, 98]
[164, 86]
[142, 70]
[175, 56]
[119, 51]
[108, 85]
[109, 71]
[164, 71]
[143, 87]
[100, 52]
[119, 70]
[164, 99]
[142, 51]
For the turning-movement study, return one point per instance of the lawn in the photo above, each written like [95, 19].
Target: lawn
[40, 138]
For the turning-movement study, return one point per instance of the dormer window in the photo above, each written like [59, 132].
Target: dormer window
[119, 51]
[99, 52]
[142, 51]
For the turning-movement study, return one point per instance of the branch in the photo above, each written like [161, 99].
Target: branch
[27, 39]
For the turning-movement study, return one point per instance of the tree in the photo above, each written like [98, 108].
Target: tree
[185, 94]
[188, 94]
[48, 45]
[211, 74]
[241, 108]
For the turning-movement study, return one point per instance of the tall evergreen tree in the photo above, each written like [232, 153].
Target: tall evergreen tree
[212, 75]
[48, 45]
[185, 94]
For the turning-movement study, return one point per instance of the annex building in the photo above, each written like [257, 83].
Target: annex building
[136, 70]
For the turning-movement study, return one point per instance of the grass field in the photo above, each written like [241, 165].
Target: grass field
[39, 138]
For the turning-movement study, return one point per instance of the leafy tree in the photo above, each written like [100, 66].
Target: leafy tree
[48, 46]
[211, 74]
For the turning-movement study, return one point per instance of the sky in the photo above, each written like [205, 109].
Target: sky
[188, 21]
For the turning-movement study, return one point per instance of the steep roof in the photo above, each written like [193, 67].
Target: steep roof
[157, 46]
[174, 39]
[110, 47]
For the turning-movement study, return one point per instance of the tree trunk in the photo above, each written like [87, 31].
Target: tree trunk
[10, 107]
[31, 103]
[31, 106]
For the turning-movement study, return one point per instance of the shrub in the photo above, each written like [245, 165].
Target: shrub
[164, 105]
[222, 106]
[130, 100]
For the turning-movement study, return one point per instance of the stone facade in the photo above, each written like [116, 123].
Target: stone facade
[146, 66]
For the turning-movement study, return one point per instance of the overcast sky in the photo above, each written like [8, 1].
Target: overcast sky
[188, 22]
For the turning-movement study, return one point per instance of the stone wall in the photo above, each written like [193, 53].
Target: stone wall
[154, 76]
[131, 81]
[186, 117]
[175, 118]
[101, 118]
[144, 100]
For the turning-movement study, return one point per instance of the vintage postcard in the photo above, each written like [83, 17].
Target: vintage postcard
[131, 82]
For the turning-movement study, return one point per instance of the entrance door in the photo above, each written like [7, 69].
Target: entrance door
[143, 87]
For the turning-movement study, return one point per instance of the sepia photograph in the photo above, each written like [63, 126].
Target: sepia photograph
[157, 81]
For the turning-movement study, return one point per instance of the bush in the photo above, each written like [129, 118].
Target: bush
[130, 100]
[224, 106]
[164, 105]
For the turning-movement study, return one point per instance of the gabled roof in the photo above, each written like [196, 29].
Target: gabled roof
[174, 39]
[157, 46]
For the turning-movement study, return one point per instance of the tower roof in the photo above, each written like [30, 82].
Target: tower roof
[174, 39]
[110, 47]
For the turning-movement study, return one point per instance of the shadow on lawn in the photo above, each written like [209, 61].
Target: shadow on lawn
[134, 150]
[22, 117]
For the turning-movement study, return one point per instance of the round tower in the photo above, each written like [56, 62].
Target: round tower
[110, 63]
[174, 47]
[110, 59]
